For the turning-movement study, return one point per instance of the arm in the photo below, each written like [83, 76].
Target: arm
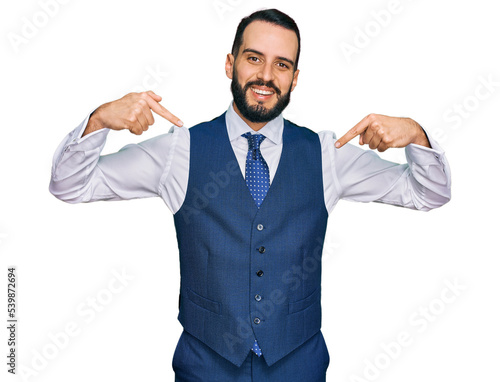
[361, 175]
[80, 174]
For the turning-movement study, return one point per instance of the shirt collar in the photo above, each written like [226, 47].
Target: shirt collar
[273, 130]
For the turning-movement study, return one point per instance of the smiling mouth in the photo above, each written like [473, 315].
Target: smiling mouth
[262, 92]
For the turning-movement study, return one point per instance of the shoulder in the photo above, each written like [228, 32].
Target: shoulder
[323, 136]
[202, 127]
[327, 136]
[299, 131]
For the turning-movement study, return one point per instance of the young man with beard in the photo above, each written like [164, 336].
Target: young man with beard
[251, 193]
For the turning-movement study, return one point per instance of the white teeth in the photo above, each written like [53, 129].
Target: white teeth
[262, 92]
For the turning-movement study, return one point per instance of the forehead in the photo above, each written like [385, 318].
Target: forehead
[271, 40]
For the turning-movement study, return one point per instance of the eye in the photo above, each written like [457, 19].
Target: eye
[253, 59]
[282, 65]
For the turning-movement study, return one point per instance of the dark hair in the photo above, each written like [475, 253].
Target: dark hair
[272, 16]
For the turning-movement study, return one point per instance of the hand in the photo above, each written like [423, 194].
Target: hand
[382, 132]
[131, 112]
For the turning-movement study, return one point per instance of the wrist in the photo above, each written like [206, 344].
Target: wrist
[420, 137]
[94, 123]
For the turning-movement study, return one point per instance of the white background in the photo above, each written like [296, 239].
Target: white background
[381, 263]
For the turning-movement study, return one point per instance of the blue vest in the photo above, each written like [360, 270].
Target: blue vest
[250, 273]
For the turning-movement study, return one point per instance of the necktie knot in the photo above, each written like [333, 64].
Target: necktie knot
[254, 140]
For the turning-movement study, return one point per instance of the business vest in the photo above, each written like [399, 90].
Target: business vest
[251, 273]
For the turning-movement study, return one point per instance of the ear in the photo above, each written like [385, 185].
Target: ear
[295, 78]
[229, 66]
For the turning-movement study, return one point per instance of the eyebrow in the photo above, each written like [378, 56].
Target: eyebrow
[260, 53]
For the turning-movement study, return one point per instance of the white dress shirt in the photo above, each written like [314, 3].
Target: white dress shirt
[160, 167]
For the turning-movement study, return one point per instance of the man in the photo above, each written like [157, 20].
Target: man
[251, 193]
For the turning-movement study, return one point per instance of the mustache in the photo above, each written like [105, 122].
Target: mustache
[268, 84]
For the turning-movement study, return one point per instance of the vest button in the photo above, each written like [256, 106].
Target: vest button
[260, 273]
[260, 227]
[258, 297]
[256, 320]
[261, 249]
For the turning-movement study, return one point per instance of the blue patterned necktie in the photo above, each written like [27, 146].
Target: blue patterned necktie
[256, 170]
[257, 179]
[256, 349]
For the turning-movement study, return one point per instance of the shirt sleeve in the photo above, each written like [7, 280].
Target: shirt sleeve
[81, 174]
[361, 175]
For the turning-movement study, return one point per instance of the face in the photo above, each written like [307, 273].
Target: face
[263, 73]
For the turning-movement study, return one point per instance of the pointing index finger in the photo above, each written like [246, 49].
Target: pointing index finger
[355, 131]
[161, 111]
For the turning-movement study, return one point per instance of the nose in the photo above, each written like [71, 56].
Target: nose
[266, 72]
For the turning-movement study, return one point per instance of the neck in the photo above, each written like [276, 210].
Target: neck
[256, 126]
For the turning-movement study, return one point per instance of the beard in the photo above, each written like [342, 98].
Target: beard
[258, 113]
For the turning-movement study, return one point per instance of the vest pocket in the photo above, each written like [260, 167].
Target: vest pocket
[202, 302]
[297, 306]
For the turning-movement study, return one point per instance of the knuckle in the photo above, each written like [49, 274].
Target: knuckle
[136, 131]
[387, 139]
